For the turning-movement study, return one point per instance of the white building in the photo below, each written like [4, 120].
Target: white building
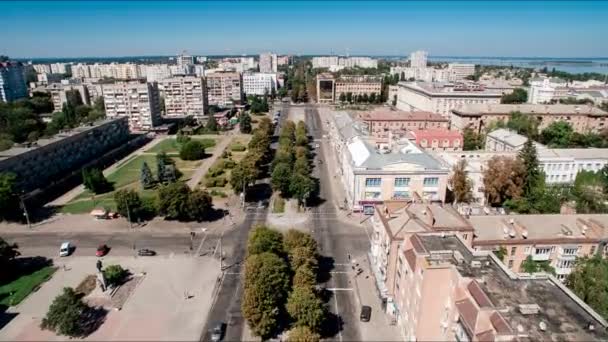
[184, 59]
[258, 83]
[240, 64]
[561, 165]
[418, 59]
[504, 140]
[426, 74]
[42, 68]
[139, 102]
[224, 89]
[184, 96]
[459, 71]
[324, 62]
[335, 63]
[60, 68]
[155, 72]
[441, 98]
[268, 62]
[543, 90]
[81, 71]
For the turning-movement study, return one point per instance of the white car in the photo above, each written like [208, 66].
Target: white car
[65, 249]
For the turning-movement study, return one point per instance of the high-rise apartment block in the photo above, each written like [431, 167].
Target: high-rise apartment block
[268, 62]
[184, 59]
[140, 102]
[184, 96]
[12, 81]
[259, 83]
[418, 59]
[224, 89]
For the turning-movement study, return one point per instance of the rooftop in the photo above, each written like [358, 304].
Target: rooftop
[400, 155]
[574, 153]
[450, 89]
[529, 308]
[509, 137]
[527, 108]
[386, 114]
[552, 227]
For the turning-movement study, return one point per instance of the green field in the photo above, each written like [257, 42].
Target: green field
[171, 146]
[16, 291]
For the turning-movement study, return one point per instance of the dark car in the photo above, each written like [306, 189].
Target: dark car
[102, 250]
[366, 313]
[217, 332]
[146, 252]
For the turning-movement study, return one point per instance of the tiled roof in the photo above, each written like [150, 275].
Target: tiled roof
[477, 293]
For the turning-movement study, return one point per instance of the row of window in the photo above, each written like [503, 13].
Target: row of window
[401, 182]
[551, 249]
[558, 167]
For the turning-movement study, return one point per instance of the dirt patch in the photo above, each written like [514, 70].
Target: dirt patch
[121, 295]
[87, 285]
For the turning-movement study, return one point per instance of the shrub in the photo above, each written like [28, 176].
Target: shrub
[238, 147]
[229, 164]
[114, 275]
[278, 205]
[192, 150]
[215, 182]
[218, 193]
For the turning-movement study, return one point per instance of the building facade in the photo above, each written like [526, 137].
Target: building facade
[437, 139]
[418, 59]
[12, 81]
[381, 121]
[224, 89]
[139, 102]
[268, 63]
[259, 83]
[544, 90]
[460, 71]
[442, 98]
[582, 118]
[185, 96]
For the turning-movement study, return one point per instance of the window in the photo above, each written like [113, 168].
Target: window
[465, 236]
[431, 181]
[372, 195]
[592, 250]
[401, 194]
[373, 181]
[543, 250]
[402, 182]
[510, 263]
[513, 250]
[570, 251]
[527, 250]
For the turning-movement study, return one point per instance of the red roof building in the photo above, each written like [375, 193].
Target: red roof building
[437, 139]
[384, 120]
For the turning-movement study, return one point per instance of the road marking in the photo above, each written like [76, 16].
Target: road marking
[198, 250]
[338, 313]
[340, 289]
[338, 272]
[232, 273]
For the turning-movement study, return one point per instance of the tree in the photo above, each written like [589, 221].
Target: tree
[263, 239]
[503, 179]
[500, 253]
[302, 334]
[65, 313]
[9, 201]
[165, 168]
[533, 177]
[303, 257]
[145, 176]
[173, 201]
[460, 183]
[200, 204]
[349, 97]
[295, 238]
[342, 98]
[518, 95]
[304, 276]
[306, 309]
[94, 180]
[243, 174]
[115, 275]
[192, 150]
[589, 280]
[471, 140]
[557, 134]
[523, 124]
[589, 192]
[131, 206]
[245, 123]
[211, 125]
[531, 266]
[281, 178]
[301, 187]
[8, 252]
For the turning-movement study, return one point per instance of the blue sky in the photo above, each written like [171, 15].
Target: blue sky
[455, 28]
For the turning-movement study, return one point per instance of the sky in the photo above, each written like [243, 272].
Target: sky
[443, 28]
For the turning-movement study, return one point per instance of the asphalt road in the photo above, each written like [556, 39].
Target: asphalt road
[336, 241]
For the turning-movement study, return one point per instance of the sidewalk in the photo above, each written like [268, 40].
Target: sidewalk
[201, 170]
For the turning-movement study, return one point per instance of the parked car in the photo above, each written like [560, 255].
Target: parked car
[366, 313]
[146, 252]
[65, 249]
[217, 333]
[102, 250]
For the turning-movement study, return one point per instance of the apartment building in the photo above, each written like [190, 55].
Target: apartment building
[12, 81]
[240, 64]
[324, 62]
[155, 72]
[444, 291]
[374, 171]
[224, 89]
[185, 96]
[335, 63]
[81, 71]
[61, 68]
[184, 59]
[419, 59]
[505, 140]
[284, 60]
[44, 78]
[268, 63]
[259, 83]
[123, 71]
[59, 93]
[381, 121]
[442, 98]
[42, 68]
[544, 90]
[582, 118]
[46, 161]
[358, 86]
[460, 71]
[139, 102]
[425, 74]
[437, 139]
[555, 239]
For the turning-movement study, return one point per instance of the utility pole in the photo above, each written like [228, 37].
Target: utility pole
[221, 255]
[128, 214]
[25, 213]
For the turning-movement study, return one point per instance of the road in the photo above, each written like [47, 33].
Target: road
[337, 240]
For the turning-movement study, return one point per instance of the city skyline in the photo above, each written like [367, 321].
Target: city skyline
[97, 29]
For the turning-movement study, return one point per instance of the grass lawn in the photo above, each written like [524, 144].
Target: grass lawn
[23, 286]
[170, 145]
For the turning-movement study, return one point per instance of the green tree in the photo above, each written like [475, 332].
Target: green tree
[531, 266]
[192, 150]
[471, 140]
[145, 176]
[557, 134]
[211, 125]
[301, 187]
[173, 201]
[114, 275]
[295, 238]
[165, 168]
[94, 180]
[589, 280]
[302, 334]
[200, 204]
[9, 201]
[589, 192]
[349, 97]
[281, 178]
[306, 309]
[500, 253]
[524, 124]
[518, 95]
[342, 98]
[245, 123]
[8, 253]
[533, 177]
[301, 166]
[263, 239]
[243, 174]
[65, 314]
[304, 276]
[131, 206]
[460, 183]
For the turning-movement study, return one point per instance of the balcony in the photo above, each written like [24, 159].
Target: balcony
[541, 257]
[563, 270]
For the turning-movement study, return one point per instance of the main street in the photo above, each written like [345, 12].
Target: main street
[337, 240]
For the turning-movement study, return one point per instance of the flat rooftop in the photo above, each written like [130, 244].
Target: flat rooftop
[539, 227]
[527, 108]
[387, 114]
[564, 317]
[448, 89]
[574, 153]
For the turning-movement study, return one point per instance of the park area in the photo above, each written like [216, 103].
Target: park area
[127, 174]
[217, 178]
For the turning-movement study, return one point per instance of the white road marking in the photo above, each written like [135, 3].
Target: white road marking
[198, 250]
[340, 289]
[338, 272]
[338, 313]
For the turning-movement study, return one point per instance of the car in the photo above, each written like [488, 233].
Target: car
[366, 313]
[102, 250]
[146, 252]
[217, 333]
[65, 249]
[262, 204]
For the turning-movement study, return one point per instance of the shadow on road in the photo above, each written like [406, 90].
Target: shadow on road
[331, 326]
[326, 265]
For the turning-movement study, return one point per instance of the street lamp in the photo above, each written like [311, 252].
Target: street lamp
[25, 213]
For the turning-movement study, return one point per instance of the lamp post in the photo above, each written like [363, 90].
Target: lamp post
[25, 213]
